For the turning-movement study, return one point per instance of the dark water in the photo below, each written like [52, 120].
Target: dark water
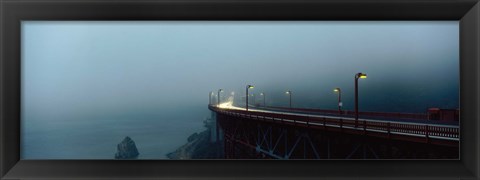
[154, 136]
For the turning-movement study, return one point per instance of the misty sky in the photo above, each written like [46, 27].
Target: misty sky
[97, 68]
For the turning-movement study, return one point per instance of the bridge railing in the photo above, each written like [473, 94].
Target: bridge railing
[418, 116]
[390, 128]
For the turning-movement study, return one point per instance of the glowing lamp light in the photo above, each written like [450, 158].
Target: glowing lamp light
[339, 92]
[290, 96]
[362, 75]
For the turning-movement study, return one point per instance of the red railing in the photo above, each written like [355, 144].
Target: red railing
[397, 130]
[418, 116]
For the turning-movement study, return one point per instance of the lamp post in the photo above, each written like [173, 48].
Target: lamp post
[248, 87]
[357, 76]
[217, 125]
[218, 98]
[233, 97]
[290, 95]
[339, 91]
[210, 98]
[263, 94]
[254, 100]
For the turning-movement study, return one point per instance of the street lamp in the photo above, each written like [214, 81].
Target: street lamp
[357, 76]
[210, 98]
[218, 98]
[254, 100]
[290, 95]
[263, 94]
[339, 91]
[248, 87]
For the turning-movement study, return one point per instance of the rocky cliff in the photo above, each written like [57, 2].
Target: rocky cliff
[198, 146]
[126, 149]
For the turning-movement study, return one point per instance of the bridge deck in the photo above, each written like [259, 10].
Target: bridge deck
[392, 117]
[408, 131]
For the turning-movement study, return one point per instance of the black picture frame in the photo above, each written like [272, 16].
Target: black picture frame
[12, 12]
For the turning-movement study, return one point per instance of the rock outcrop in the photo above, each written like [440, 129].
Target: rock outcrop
[192, 137]
[199, 146]
[126, 149]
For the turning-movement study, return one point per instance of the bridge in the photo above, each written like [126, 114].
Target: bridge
[293, 133]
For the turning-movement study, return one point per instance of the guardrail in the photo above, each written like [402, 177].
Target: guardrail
[418, 116]
[428, 133]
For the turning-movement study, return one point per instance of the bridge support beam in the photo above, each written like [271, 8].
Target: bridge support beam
[252, 137]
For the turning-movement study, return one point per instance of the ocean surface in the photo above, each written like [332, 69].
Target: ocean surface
[71, 138]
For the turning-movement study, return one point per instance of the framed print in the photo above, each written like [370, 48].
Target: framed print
[270, 89]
